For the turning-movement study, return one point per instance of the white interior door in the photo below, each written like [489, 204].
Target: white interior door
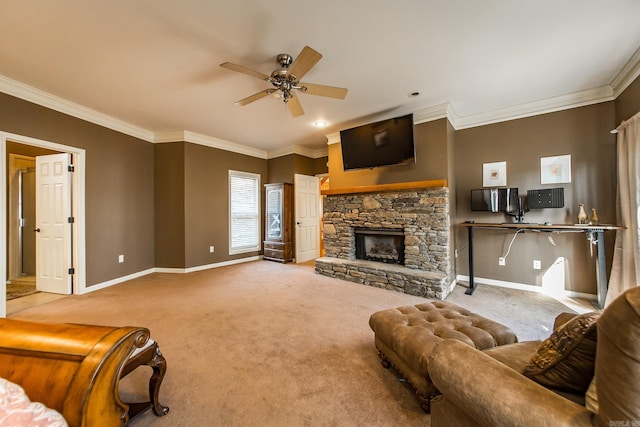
[53, 229]
[307, 216]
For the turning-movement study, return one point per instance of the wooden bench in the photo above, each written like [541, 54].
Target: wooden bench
[76, 369]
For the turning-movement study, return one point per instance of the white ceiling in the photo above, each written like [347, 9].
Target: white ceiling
[151, 67]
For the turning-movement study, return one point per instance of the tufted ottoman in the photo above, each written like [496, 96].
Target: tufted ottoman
[405, 336]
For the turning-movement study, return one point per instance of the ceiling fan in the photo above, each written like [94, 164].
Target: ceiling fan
[286, 80]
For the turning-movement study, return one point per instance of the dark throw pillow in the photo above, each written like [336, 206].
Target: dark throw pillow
[566, 360]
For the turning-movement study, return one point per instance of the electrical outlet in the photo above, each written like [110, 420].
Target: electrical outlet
[120, 258]
[211, 249]
[536, 264]
[502, 261]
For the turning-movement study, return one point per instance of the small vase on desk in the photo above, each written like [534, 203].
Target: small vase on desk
[593, 219]
[582, 215]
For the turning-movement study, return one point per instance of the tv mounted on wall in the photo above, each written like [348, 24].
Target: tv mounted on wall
[384, 143]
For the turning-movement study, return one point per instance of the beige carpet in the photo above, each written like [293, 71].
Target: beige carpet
[266, 344]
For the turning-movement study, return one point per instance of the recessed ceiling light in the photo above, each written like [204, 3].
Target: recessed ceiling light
[320, 124]
[413, 94]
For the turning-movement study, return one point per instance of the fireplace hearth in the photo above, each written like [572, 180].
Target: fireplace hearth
[386, 245]
[393, 239]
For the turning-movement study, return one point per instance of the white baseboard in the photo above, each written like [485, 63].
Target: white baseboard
[207, 266]
[525, 287]
[112, 282]
[452, 285]
[166, 270]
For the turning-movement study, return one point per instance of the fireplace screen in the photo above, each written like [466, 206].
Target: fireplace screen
[380, 245]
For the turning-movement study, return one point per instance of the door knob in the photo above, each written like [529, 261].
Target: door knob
[37, 230]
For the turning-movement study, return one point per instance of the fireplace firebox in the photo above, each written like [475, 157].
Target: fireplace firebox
[380, 245]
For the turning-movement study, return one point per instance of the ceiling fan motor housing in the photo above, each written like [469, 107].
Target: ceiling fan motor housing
[284, 59]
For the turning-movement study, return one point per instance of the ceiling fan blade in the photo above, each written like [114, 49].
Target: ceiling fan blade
[244, 70]
[255, 97]
[295, 108]
[304, 62]
[321, 90]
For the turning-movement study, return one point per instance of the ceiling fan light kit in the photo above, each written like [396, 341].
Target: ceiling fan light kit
[286, 80]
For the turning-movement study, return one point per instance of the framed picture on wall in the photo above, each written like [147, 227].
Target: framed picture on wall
[555, 170]
[494, 174]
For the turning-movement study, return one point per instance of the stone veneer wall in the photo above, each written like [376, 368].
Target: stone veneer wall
[423, 214]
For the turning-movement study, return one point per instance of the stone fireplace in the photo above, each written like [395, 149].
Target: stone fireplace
[394, 237]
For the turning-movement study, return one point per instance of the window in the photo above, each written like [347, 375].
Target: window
[244, 212]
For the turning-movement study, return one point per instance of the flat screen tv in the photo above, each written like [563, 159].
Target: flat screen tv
[384, 143]
[495, 200]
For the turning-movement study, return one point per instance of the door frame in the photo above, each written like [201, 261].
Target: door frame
[78, 211]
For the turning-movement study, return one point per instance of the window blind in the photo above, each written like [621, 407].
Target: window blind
[244, 224]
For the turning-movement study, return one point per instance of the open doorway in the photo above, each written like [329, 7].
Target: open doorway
[21, 246]
[17, 174]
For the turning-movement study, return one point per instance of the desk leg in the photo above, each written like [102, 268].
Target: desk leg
[601, 271]
[472, 287]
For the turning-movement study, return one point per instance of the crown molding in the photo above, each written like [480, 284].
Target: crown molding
[222, 144]
[45, 99]
[313, 153]
[430, 114]
[208, 141]
[168, 136]
[564, 102]
[558, 103]
[627, 75]
[333, 138]
[550, 105]
[623, 79]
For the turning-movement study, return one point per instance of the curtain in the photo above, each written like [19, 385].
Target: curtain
[625, 269]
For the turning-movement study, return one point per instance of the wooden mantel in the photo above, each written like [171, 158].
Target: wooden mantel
[386, 187]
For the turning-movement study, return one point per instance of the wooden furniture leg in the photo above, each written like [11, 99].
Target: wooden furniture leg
[151, 356]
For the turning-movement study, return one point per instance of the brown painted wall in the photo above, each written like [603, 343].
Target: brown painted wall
[283, 168]
[628, 103]
[206, 201]
[321, 165]
[169, 196]
[119, 186]
[581, 132]
[431, 161]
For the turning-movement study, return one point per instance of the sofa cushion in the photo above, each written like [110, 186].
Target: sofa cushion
[566, 360]
[516, 356]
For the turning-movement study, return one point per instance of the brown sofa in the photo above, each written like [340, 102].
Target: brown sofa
[489, 388]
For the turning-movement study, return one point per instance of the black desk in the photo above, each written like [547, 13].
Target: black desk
[598, 230]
